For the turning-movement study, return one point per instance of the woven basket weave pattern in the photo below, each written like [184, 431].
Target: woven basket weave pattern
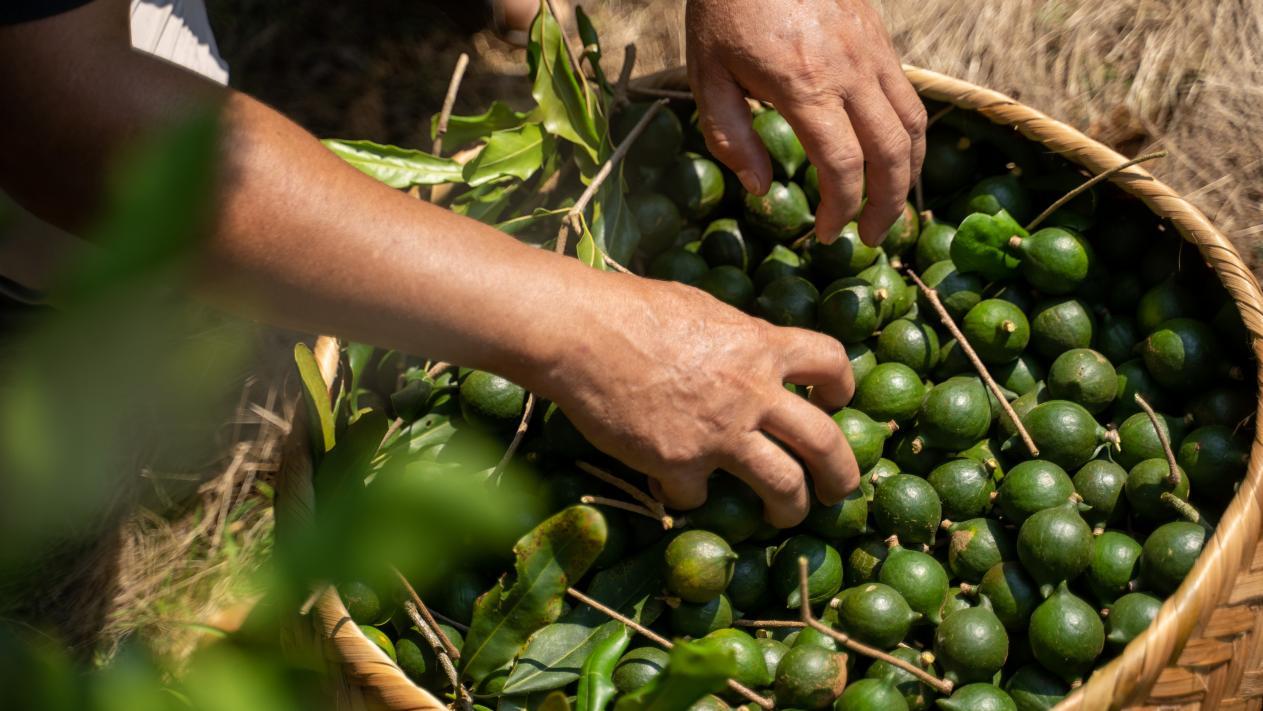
[1204, 650]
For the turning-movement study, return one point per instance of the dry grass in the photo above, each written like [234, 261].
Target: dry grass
[1137, 74]
[181, 576]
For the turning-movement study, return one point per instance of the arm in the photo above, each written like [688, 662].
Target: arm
[662, 376]
[829, 68]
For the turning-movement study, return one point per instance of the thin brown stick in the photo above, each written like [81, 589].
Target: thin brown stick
[932, 296]
[425, 612]
[620, 152]
[1174, 476]
[661, 641]
[449, 621]
[624, 75]
[661, 93]
[623, 505]
[449, 101]
[943, 686]
[518, 436]
[436, 639]
[1092, 181]
[310, 602]
[609, 262]
[798, 243]
[437, 369]
[769, 624]
[565, 40]
[939, 114]
[624, 486]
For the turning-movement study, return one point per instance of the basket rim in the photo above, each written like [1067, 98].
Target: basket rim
[1130, 675]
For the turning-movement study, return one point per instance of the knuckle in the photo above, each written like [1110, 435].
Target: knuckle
[821, 438]
[917, 123]
[895, 143]
[785, 483]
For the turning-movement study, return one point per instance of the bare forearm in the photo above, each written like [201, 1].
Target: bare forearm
[299, 238]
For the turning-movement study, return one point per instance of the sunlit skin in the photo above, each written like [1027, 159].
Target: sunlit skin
[829, 67]
[662, 376]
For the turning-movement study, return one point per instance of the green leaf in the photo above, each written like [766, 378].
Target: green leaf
[463, 130]
[566, 106]
[596, 682]
[614, 226]
[549, 558]
[341, 471]
[487, 202]
[693, 670]
[538, 701]
[517, 224]
[591, 44]
[555, 701]
[357, 356]
[394, 166]
[587, 249]
[316, 394]
[554, 655]
[981, 245]
[516, 152]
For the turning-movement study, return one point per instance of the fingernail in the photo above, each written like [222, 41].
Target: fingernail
[827, 237]
[750, 181]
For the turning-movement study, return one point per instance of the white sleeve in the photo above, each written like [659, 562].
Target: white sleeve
[178, 31]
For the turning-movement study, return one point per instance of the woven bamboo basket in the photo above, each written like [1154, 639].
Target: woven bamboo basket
[1204, 649]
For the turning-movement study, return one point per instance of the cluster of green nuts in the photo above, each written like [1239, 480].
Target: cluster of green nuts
[1008, 574]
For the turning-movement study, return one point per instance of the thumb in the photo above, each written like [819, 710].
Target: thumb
[726, 124]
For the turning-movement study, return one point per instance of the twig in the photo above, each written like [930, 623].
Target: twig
[624, 75]
[310, 602]
[1174, 476]
[518, 435]
[667, 523]
[449, 101]
[433, 192]
[661, 93]
[1093, 181]
[798, 243]
[437, 369]
[449, 621]
[943, 686]
[581, 204]
[565, 40]
[932, 296]
[624, 486]
[768, 624]
[436, 639]
[658, 639]
[1186, 510]
[609, 262]
[939, 114]
[425, 612]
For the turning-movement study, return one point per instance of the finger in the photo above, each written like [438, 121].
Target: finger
[774, 476]
[814, 359]
[887, 148]
[727, 126]
[680, 490]
[815, 437]
[822, 126]
[907, 105]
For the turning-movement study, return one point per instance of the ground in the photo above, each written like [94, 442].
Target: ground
[1137, 74]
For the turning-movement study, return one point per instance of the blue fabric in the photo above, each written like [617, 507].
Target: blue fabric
[13, 12]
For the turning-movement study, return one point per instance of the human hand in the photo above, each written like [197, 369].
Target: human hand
[677, 384]
[829, 68]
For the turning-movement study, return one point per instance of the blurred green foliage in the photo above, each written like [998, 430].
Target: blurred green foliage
[125, 373]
